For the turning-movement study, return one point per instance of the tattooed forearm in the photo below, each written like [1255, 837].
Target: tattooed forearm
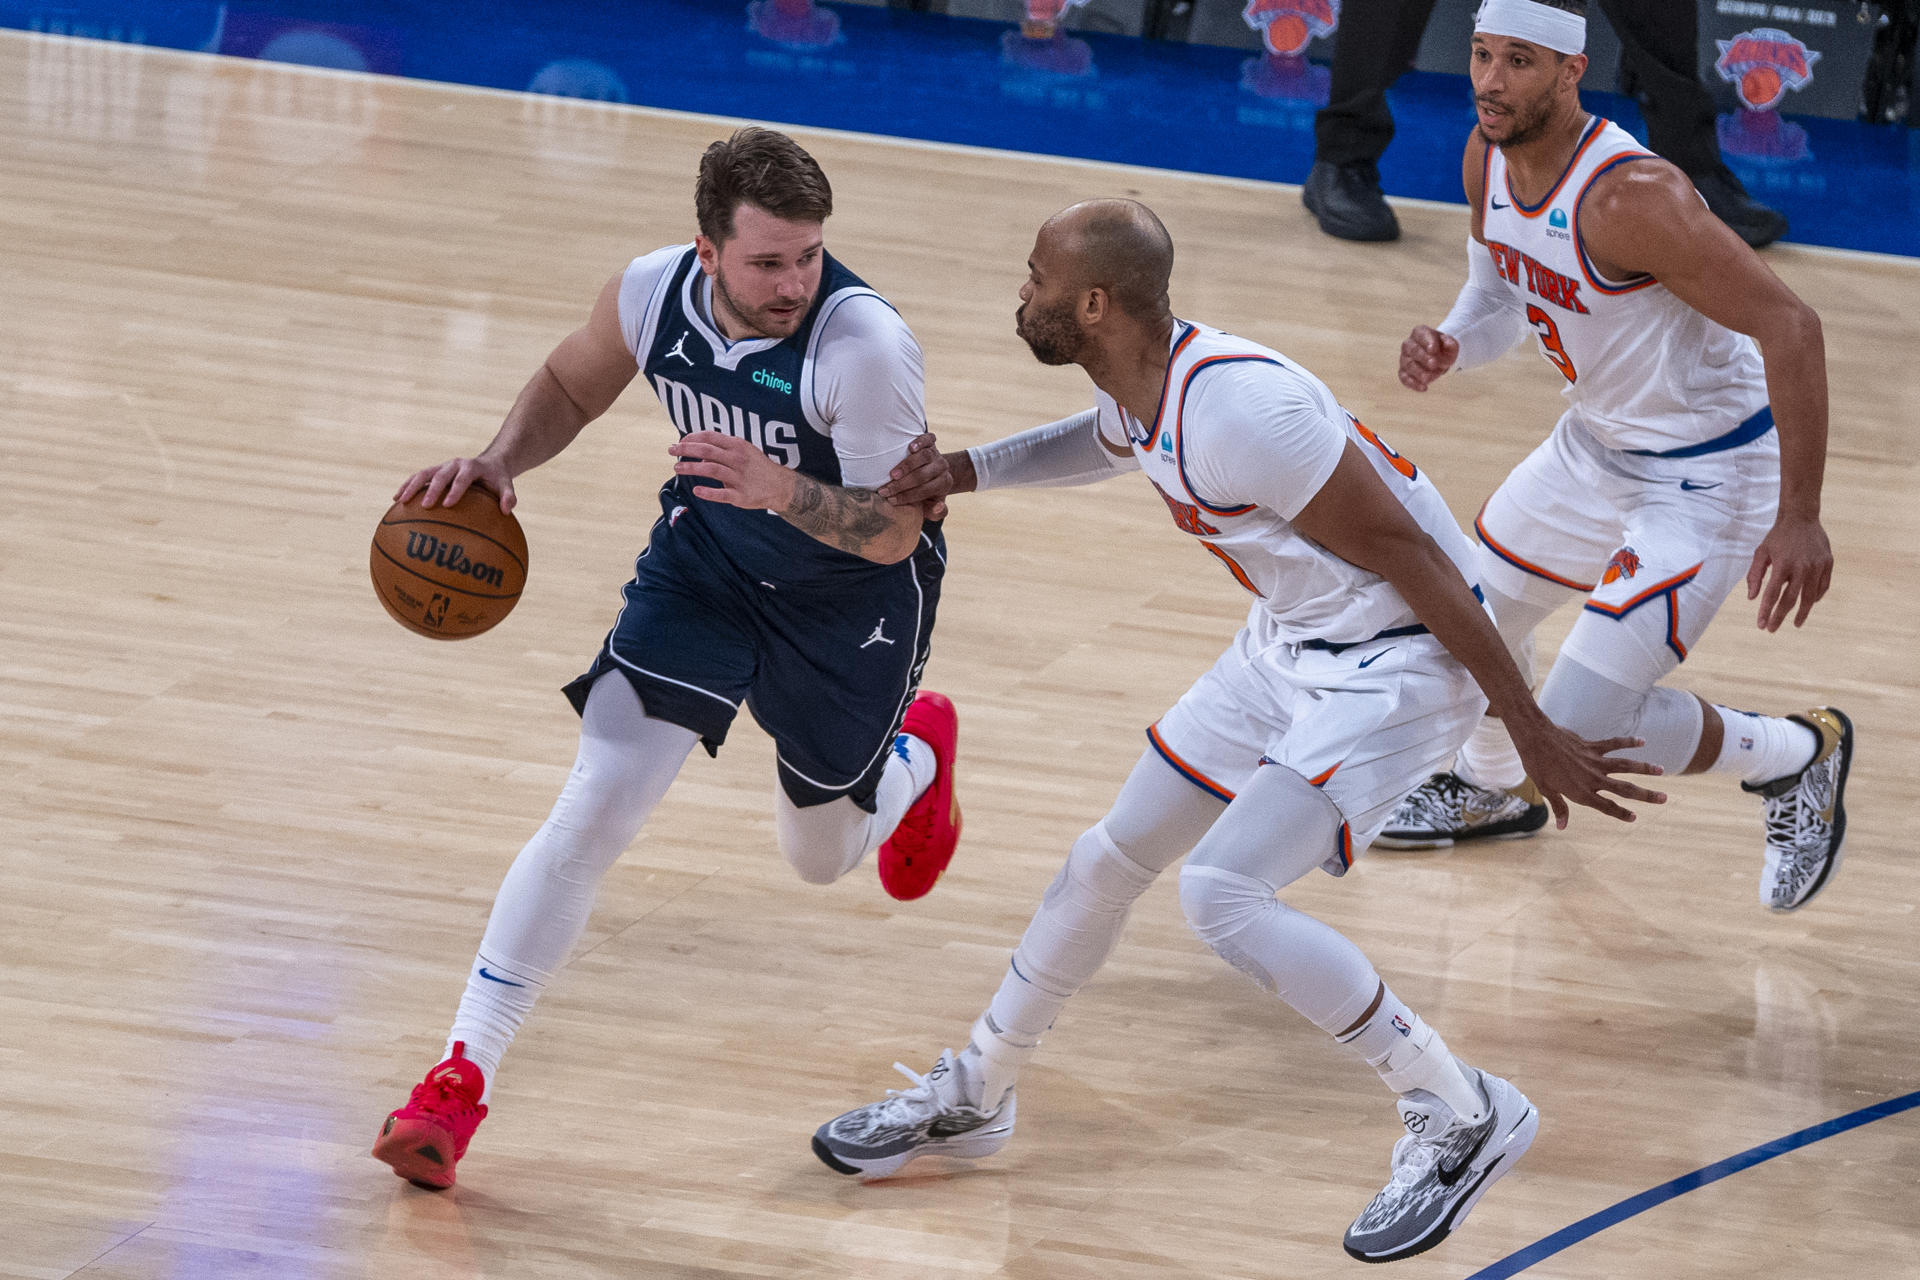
[851, 519]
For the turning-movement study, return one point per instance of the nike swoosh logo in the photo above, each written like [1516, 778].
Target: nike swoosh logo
[1496, 204]
[1376, 657]
[494, 977]
[1688, 486]
[1447, 1177]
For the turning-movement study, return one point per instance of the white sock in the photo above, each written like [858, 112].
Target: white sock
[1489, 760]
[497, 1000]
[1759, 748]
[994, 1060]
[1410, 1055]
[920, 760]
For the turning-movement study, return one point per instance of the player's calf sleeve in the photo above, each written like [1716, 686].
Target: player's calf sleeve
[823, 842]
[1079, 921]
[625, 765]
[1582, 701]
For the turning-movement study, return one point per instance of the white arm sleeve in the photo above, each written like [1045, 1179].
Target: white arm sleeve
[1486, 319]
[869, 388]
[1070, 451]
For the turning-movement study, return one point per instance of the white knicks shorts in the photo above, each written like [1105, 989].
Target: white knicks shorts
[1655, 544]
[1366, 725]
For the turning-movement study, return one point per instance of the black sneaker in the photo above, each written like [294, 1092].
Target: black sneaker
[1346, 201]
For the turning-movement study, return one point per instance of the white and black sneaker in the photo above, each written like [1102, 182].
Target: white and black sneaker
[1806, 819]
[1441, 1168]
[939, 1116]
[1446, 809]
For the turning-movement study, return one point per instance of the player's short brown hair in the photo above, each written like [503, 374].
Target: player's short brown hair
[1578, 8]
[762, 168]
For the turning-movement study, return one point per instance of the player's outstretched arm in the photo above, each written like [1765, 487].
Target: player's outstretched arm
[1072, 451]
[1646, 218]
[578, 382]
[1354, 516]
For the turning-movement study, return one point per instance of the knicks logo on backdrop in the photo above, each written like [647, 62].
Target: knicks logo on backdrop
[1763, 64]
[1288, 26]
[1624, 563]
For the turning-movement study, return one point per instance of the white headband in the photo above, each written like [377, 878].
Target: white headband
[1549, 28]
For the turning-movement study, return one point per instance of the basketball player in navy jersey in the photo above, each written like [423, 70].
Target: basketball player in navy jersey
[1689, 458]
[775, 575]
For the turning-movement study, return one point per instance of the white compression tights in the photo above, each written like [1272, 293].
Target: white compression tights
[1585, 702]
[1228, 890]
[625, 764]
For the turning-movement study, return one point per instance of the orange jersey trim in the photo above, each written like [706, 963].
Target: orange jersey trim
[1186, 770]
[1579, 245]
[1534, 211]
[1233, 567]
[1486, 539]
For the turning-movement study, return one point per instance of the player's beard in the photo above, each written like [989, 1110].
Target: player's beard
[1529, 122]
[757, 319]
[1055, 337]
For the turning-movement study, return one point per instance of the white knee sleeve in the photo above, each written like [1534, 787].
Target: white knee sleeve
[1587, 703]
[1079, 921]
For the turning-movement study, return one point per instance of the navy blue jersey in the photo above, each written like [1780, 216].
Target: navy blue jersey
[758, 393]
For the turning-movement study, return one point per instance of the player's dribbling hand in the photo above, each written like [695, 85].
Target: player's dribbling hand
[1425, 355]
[1794, 562]
[746, 476]
[1566, 767]
[447, 483]
[922, 479]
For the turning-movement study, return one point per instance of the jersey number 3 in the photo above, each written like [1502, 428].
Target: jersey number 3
[1550, 342]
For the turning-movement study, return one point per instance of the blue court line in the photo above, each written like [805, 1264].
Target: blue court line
[1567, 1237]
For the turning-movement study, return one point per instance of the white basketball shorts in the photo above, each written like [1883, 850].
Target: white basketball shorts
[1655, 544]
[1366, 724]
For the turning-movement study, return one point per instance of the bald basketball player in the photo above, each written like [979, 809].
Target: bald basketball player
[1363, 660]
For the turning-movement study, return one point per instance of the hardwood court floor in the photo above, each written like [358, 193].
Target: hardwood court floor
[250, 828]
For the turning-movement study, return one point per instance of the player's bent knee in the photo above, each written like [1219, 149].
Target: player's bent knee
[1219, 904]
[1584, 702]
[1099, 875]
[822, 842]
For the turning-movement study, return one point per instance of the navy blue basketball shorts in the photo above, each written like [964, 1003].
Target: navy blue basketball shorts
[826, 669]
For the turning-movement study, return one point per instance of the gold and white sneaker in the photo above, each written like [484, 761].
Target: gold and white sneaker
[1806, 815]
[1446, 810]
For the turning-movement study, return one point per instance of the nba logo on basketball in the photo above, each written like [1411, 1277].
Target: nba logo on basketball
[1288, 26]
[1763, 64]
[1623, 564]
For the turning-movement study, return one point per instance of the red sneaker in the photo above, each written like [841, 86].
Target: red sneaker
[922, 845]
[424, 1139]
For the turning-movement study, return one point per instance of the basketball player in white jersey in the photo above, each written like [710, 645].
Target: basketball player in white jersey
[1356, 668]
[1690, 454]
[775, 575]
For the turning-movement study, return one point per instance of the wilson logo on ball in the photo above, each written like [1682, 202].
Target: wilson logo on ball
[453, 557]
[449, 572]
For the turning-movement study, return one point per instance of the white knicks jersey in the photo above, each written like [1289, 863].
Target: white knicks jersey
[1243, 439]
[1644, 370]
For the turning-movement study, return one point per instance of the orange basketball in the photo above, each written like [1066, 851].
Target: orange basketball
[449, 572]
